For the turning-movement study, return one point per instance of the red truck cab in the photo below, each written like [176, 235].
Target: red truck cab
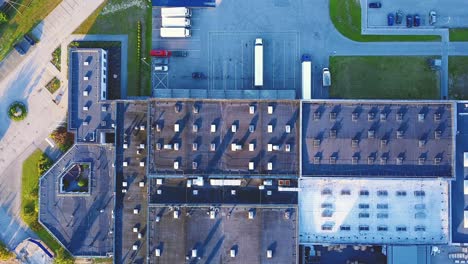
[160, 53]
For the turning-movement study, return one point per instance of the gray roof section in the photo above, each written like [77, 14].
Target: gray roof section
[226, 94]
[377, 138]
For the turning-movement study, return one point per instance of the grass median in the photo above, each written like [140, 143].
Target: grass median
[383, 78]
[458, 78]
[459, 34]
[23, 16]
[33, 167]
[346, 16]
[118, 17]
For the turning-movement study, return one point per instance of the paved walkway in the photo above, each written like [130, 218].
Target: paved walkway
[25, 82]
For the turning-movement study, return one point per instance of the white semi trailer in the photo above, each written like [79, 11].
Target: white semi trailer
[258, 78]
[175, 33]
[175, 22]
[175, 12]
[306, 77]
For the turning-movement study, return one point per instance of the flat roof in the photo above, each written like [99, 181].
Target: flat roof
[373, 211]
[214, 238]
[177, 191]
[87, 113]
[131, 185]
[81, 222]
[377, 138]
[271, 128]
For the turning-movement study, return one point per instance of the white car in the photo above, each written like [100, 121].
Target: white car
[161, 68]
[432, 17]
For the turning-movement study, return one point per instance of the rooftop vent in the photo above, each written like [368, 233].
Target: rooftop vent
[316, 142]
[213, 128]
[252, 109]
[437, 134]
[287, 129]
[383, 117]
[383, 160]
[195, 128]
[421, 117]
[251, 146]
[354, 116]
[176, 165]
[270, 129]
[399, 117]
[399, 160]
[383, 142]
[399, 133]
[194, 165]
[354, 143]
[421, 143]
[317, 160]
[251, 165]
[421, 160]
[333, 159]
[370, 133]
[194, 146]
[316, 116]
[332, 116]
[251, 128]
[270, 109]
[437, 117]
[437, 160]
[287, 147]
[333, 133]
[370, 160]
[355, 159]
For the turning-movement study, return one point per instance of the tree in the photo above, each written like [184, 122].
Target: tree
[5, 254]
[62, 257]
[63, 138]
[3, 18]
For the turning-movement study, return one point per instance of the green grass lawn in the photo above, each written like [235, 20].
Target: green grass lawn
[124, 21]
[383, 78]
[29, 14]
[459, 34]
[29, 197]
[458, 78]
[53, 85]
[346, 16]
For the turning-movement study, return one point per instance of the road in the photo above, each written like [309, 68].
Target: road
[24, 81]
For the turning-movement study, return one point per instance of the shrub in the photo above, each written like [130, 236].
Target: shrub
[44, 164]
[83, 183]
[3, 18]
[53, 85]
[5, 254]
[17, 111]
[56, 57]
[63, 257]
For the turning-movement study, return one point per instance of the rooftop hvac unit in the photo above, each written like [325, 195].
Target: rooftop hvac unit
[85, 93]
[332, 160]
[85, 108]
[142, 127]
[270, 128]
[399, 160]
[213, 128]
[176, 214]
[125, 146]
[176, 165]
[195, 109]
[136, 211]
[421, 143]
[270, 147]
[232, 253]
[142, 146]
[354, 143]
[251, 147]
[251, 128]
[195, 128]
[270, 166]
[269, 253]
[399, 134]
[370, 116]
[316, 116]
[370, 160]
[85, 63]
[142, 163]
[251, 165]
[141, 184]
[333, 133]
[212, 214]
[354, 116]
[158, 146]
[85, 123]
[213, 147]
[270, 109]
[157, 252]
[233, 128]
[437, 161]
[437, 116]
[195, 192]
[176, 128]
[135, 230]
[235, 147]
[421, 117]
[135, 247]
[159, 181]
[233, 192]
[189, 183]
[383, 117]
[194, 253]
[370, 133]
[167, 146]
[124, 190]
[194, 146]
[317, 160]
[176, 146]
[194, 165]
[287, 128]
[125, 164]
[252, 109]
[276, 147]
[355, 160]
[159, 192]
[103, 108]
[251, 214]
[287, 147]
[177, 108]
[383, 160]
[140, 235]
[399, 117]
[437, 134]
[383, 142]
[85, 78]
[158, 128]
[332, 116]
[124, 184]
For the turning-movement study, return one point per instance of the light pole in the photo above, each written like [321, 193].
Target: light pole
[143, 60]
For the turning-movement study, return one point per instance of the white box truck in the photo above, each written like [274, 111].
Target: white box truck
[175, 22]
[306, 77]
[175, 33]
[258, 78]
[326, 78]
[175, 12]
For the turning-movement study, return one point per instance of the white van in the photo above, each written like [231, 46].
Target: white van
[175, 22]
[175, 12]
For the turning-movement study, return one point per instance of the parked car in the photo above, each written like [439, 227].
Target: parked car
[390, 19]
[416, 20]
[161, 68]
[179, 53]
[19, 49]
[30, 40]
[375, 5]
[198, 75]
[160, 53]
[432, 17]
[399, 17]
[409, 21]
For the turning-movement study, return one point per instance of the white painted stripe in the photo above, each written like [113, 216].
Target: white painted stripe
[50, 142]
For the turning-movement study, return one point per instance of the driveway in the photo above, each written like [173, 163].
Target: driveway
[23, 80]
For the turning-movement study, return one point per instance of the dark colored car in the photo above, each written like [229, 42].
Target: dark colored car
[390, 19]
[179, 53]
[399, 17]
[375, 5]
[19, 49]
[416, 20]
[160, 53]
[198, 75]
[409, 21]
[30, 40]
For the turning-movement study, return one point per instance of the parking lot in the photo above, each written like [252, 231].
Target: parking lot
[450, 13]
[221, 47]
